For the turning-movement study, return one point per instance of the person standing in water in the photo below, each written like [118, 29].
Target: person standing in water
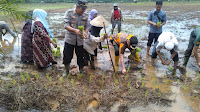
[156, 19]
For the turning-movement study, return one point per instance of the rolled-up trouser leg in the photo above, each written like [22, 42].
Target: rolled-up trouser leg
[188, 52]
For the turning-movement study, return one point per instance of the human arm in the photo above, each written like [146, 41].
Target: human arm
[122, 63]
[67, 25]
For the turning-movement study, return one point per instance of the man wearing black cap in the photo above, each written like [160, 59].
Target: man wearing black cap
[156, 19]
[73, 20]
[121, 42]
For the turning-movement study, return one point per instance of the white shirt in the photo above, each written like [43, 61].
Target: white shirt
[166, 37]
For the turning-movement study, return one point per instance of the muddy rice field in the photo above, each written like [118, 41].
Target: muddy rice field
[24, 87]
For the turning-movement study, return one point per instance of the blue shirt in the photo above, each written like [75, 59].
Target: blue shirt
[153, 17]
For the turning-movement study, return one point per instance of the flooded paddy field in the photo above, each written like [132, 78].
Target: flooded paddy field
[102, 90]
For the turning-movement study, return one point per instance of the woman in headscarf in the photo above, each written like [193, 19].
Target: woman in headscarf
[26, 40]
[93, 14]
[42, 53]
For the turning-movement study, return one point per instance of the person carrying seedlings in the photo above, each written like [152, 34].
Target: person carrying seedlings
[121, 41]
[74, 21]
[90, 44]
[42, 53]
[116, 18]
[168, 41]
[193, 46]
[156, 19]
[3, 25]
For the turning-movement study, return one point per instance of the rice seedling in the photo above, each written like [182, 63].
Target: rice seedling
[90, 78]
[195, 82]
[27, 76]
[146, 93]
[80, 76]
[61, 80]
[184, 87]
[116, 88]
[116, 82]
[167, 81]
[170, 89]
[37, 77]
[188, 74]
[140, 78]
[73, 83]
[192, 97]
[143, 83]
[131, 90]
[85, 89]
[152, 76]
[14, 82]
[49, 78]
[170, 68]
[45, 86]
[23, 79]
[126, 77]
[129, 83]
[68, 76]
[178, 81]
[102, 80]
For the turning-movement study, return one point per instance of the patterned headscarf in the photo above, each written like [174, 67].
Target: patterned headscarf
[92, 13]
[41, 14]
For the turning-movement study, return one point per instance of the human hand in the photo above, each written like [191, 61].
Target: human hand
[199, 64]
[85, 35]
[54, 44]
[163, 62]
[169, 62]
[155, 25]
[105, 36]
[124, 71]
[78, 32]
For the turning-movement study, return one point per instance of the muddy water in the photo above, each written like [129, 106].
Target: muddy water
[134, 23]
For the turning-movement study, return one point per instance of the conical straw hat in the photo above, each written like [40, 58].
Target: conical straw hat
[98, 21]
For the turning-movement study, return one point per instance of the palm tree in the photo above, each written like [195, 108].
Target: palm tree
[10, 8]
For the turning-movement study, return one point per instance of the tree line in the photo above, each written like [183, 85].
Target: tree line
[90, 1]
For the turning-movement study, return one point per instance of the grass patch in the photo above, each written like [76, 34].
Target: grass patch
[45, 6]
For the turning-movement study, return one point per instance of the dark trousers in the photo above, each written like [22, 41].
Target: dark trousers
[88, 57]
[188, 52]
[118, 22]
[116, 47]
[69, 52]
[154, 53]
[152, 37]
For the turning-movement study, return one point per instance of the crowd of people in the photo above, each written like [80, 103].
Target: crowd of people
[37, 37]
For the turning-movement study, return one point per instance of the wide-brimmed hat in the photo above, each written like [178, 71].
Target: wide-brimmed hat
[98, 21]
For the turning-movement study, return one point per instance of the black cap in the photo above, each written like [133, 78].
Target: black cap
[159, 2]
[82, 3]
[133, 41]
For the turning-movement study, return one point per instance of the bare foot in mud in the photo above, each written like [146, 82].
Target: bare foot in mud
[182, 69]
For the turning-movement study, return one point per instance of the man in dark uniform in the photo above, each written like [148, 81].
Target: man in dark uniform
[74, 37]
